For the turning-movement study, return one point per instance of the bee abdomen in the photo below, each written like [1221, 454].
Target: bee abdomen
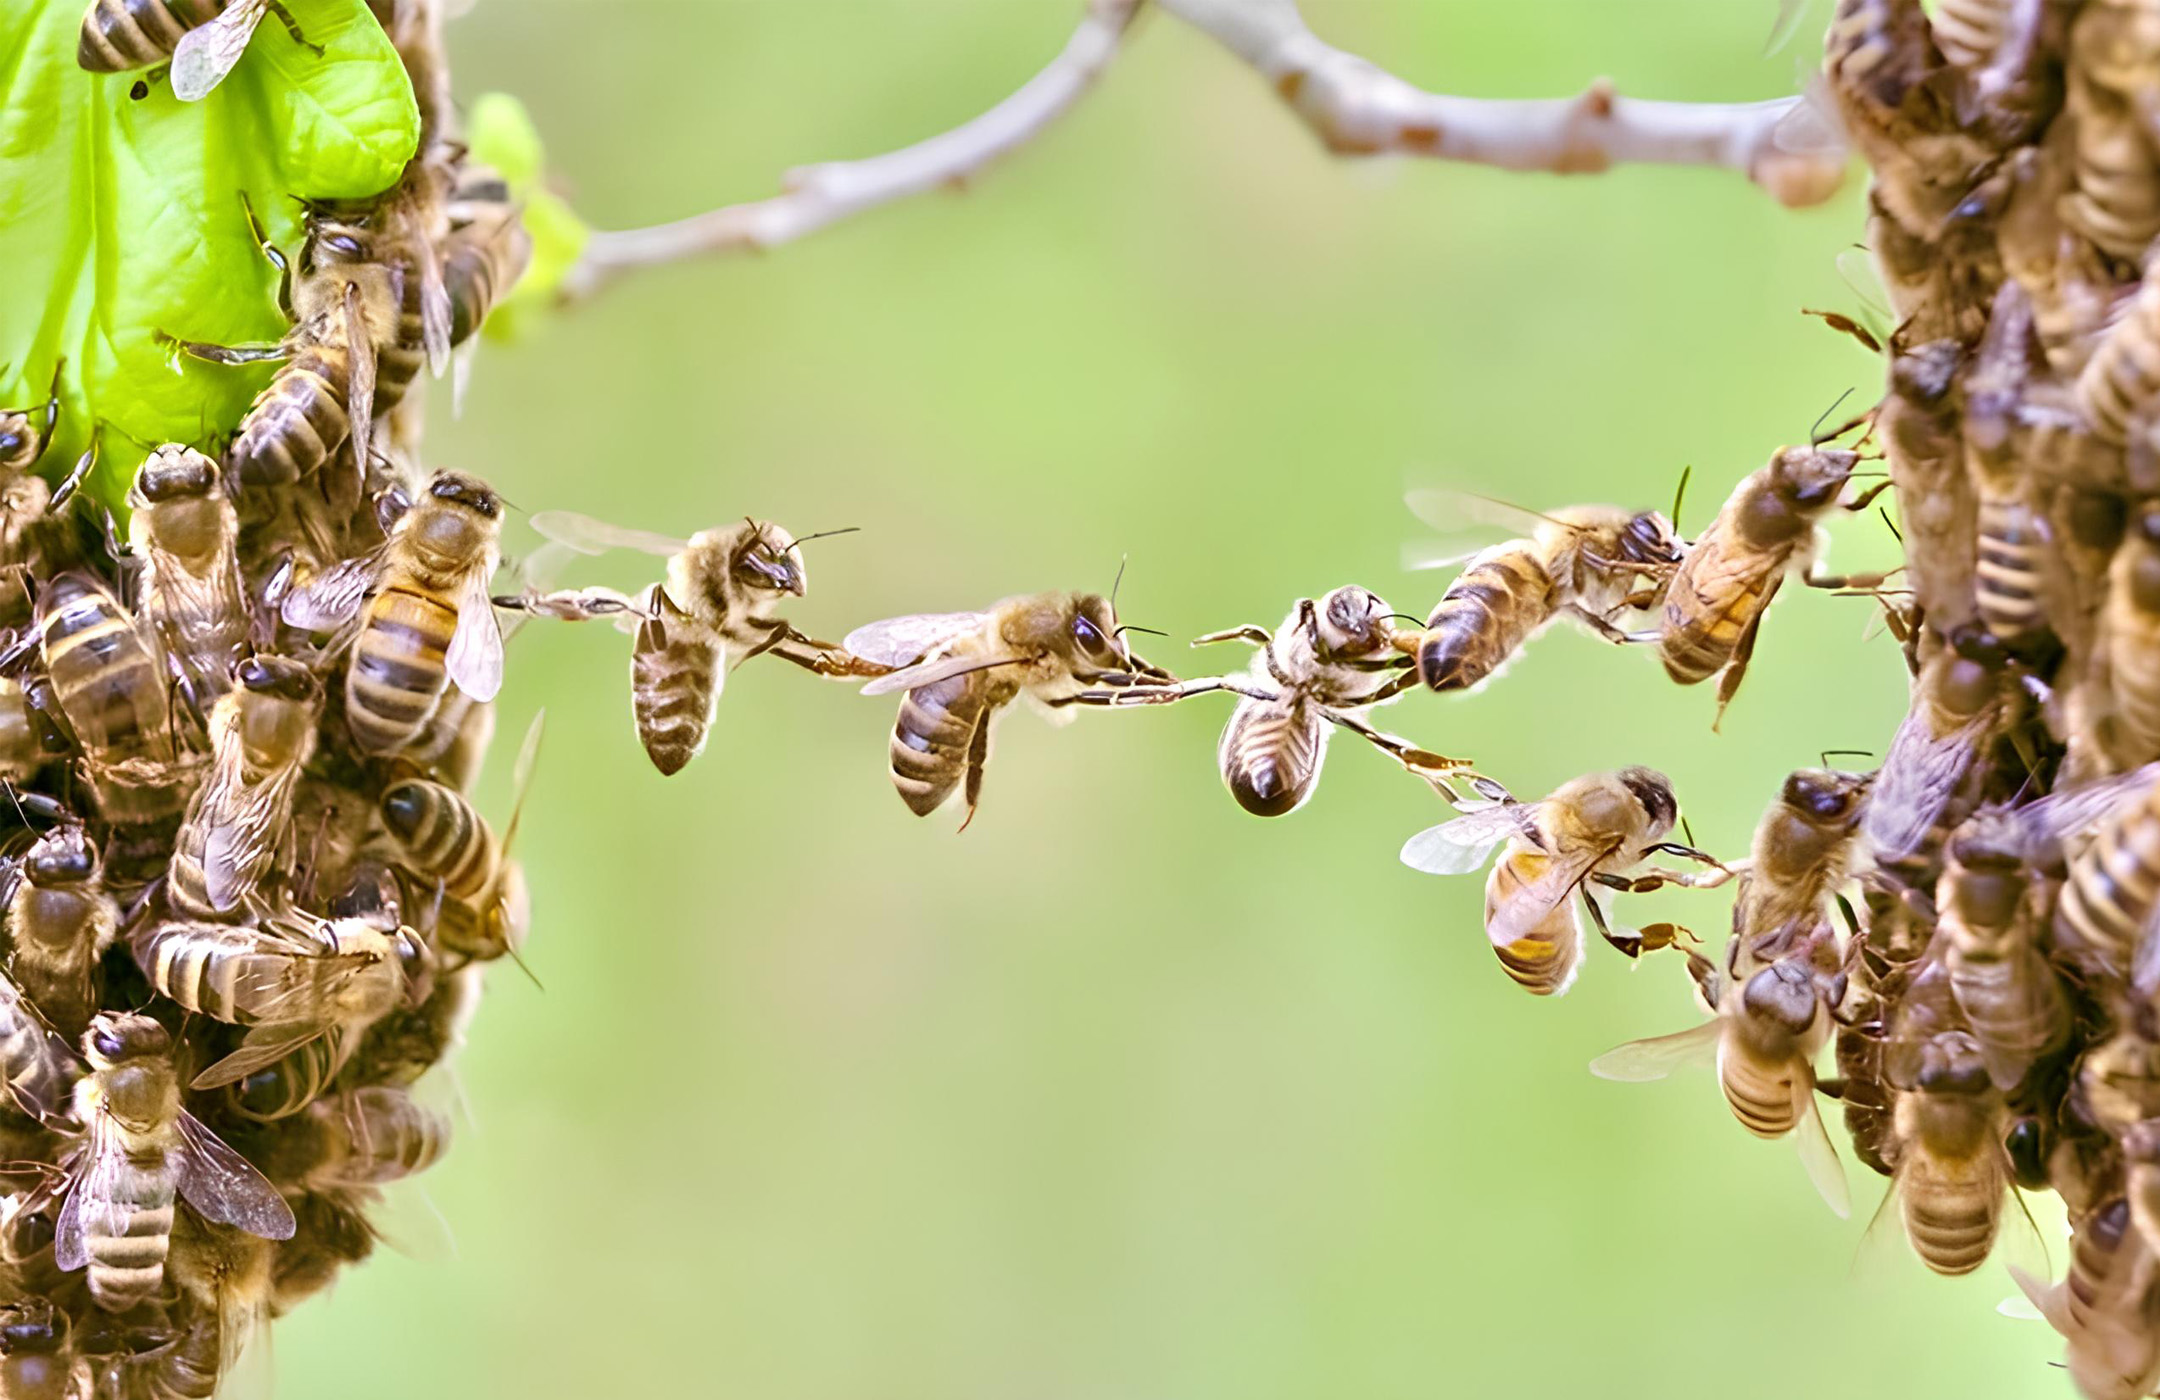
[930, 740]
[1270, 755]
[1951, 1223]
[1969, 32]
[673, 691]
[128, 1235]
[2008, 573]
[478, 269]
[207, 968]
[398, 676]
[118, 35]
[442, 836]
[189, 1368]
[290, 1085]
[1484, 616]
[2117, 200]
[2123, 375]
[1762, 1099]
[2015, 1007]
[105, 678]
[1542, 961]
[2112, 887]
[297, 421]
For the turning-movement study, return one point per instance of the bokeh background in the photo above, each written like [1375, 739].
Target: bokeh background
[1124, 1093]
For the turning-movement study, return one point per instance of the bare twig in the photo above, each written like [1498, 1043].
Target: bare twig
[1355, 107]
[1359, 109]
[817, 195]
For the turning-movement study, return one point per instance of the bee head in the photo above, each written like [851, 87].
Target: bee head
[63, 856]
[31, 1327]
[1809, 478]
[1783, 994]
[1648, 539]
[767, 560]
[16, 435]
[1951, 1063]
[115, 1037]
[175, 472]
[1350, 621]
[1092, 631]
[278, 678]
[335, 242]
[1826, 795]
[1654, 791]
[471, 492]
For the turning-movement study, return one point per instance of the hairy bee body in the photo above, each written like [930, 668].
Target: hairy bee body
[1804, 851]
[1951, 1174]
[1766, 1052]
[675, 672]
[187, 531]
[2114, 883]
[300, 418]
[119, 35]
[1270, 754]
[60, 922]
[943, 735]
[36, 1361]
[1918, 424]
[2010, 996]
[261, 733]
[442, 837]
[109, 683]
[2122, 379]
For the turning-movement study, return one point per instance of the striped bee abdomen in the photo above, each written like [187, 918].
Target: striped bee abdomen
[1270, 755]
[1760, 1096]
[2010, 583]
[931, 738]
[129, 1233]
[675, 680]
[1542, 961]
[442, 836]
[1950, 1217]
[118, 35]
[1485, 615]
[398, 675]
[297, 421]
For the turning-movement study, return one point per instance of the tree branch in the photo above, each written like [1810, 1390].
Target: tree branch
[1354, 107]
[1358, 109]
[817, 195]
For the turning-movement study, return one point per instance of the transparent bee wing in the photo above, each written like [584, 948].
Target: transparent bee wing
[2039, 1299]
[1463, 845]
[1782, 28]
[1532, 904]
[206, 53]
[1817, 1155]
[434, 313]
[360, 384]
[224, 1186]
[2145, 959]
[45, 1093]
[901, 641]
[475, 657]
[521, 778]
[1919, 776]
[333, 597]
[586, 535]
[931, 672]
[2064, 814]
[1420, 555]
[1641, 1061]
[1450, 510]
[263, 1047]
[96, 1183]
[242, 823]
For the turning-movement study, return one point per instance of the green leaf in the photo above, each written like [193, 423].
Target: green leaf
[121, 216]
[499, 133]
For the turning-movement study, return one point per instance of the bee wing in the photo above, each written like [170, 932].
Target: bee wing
[360, 383]
[1463, 845]
[475, 657]
[434, 312]
[1534, 902]
[2062, 815]
[42, 1094]
[1446, 509]
[1787, 21]
[245, 822]
[333, 597]
[96, 1177]
[521, 779]
[901, 641]
[931, 672]
[206, 53]
[1816, 1152]
[224, 1186]
[589, 536]
[1641, 1061]
[1919, 776]
[263, 1047]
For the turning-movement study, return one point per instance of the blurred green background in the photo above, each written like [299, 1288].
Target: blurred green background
[1124, 1093]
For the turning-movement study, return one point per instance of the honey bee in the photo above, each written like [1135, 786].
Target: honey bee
[107, 681]
[2112, 70]
[28, 738]
[1767, 530]
[282, 1089]
[1585, 563]
[1765, 1031]
[1952, 1170]
[36, 1065]
[185, 529]
[959, 670]
[1327, 662]
[1918, 424]
[1924, 784]
[480, 898]
[2122, 379]
[2010, 996]
[713, 613]
[23, 438]
[1587, 834]
[324, 390]
[36, 1361]
[1881, 969]
[424, 617]
[203, 55]
[139, 1148]
[1890, 86]
[1804, 851]
[291, 982]
[396, 237]
[2013, 573]
[374, 1136]
[2114, 880]
[60, 922]
[485, 254]
[262, 734]
[225, 1274]
[2106, 1308]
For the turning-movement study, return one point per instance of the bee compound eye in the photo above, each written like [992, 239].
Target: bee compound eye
[107, 1042]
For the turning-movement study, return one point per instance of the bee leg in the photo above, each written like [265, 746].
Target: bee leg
[270, 253]
[1866, 498]
[772, 639]
[1407, 680]
[1258, 636]
[1153, 694]
[1599, 625]
[1629, 943]
[292, 27]
[1417, 760]
[254, 353]
[1859, 583]
[977, 756]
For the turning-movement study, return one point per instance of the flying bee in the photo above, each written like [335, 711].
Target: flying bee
[1326, 663]
[1586, 563]
[36, 1362]
[424, 619]
[60, 922]
[23, 438]
[2106, 1308]
[959, 670]
[108, 683]
[714, 612]
[291, 982]
[1768, 530]
[1958, 704]
[1588, 833]
[480, 897]
[262, 733]
[1765, 1031]
[2010, 995]
[184, 527]
[1804, 851]
[324, 390]
[139, 1148]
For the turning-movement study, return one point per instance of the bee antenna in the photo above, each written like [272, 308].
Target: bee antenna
[1895, 533]
[1814, 434]
[1687, 831]
[1680, 494]
[1406, 617]
[826, 534]
[1136, 627]
[1115, 582]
